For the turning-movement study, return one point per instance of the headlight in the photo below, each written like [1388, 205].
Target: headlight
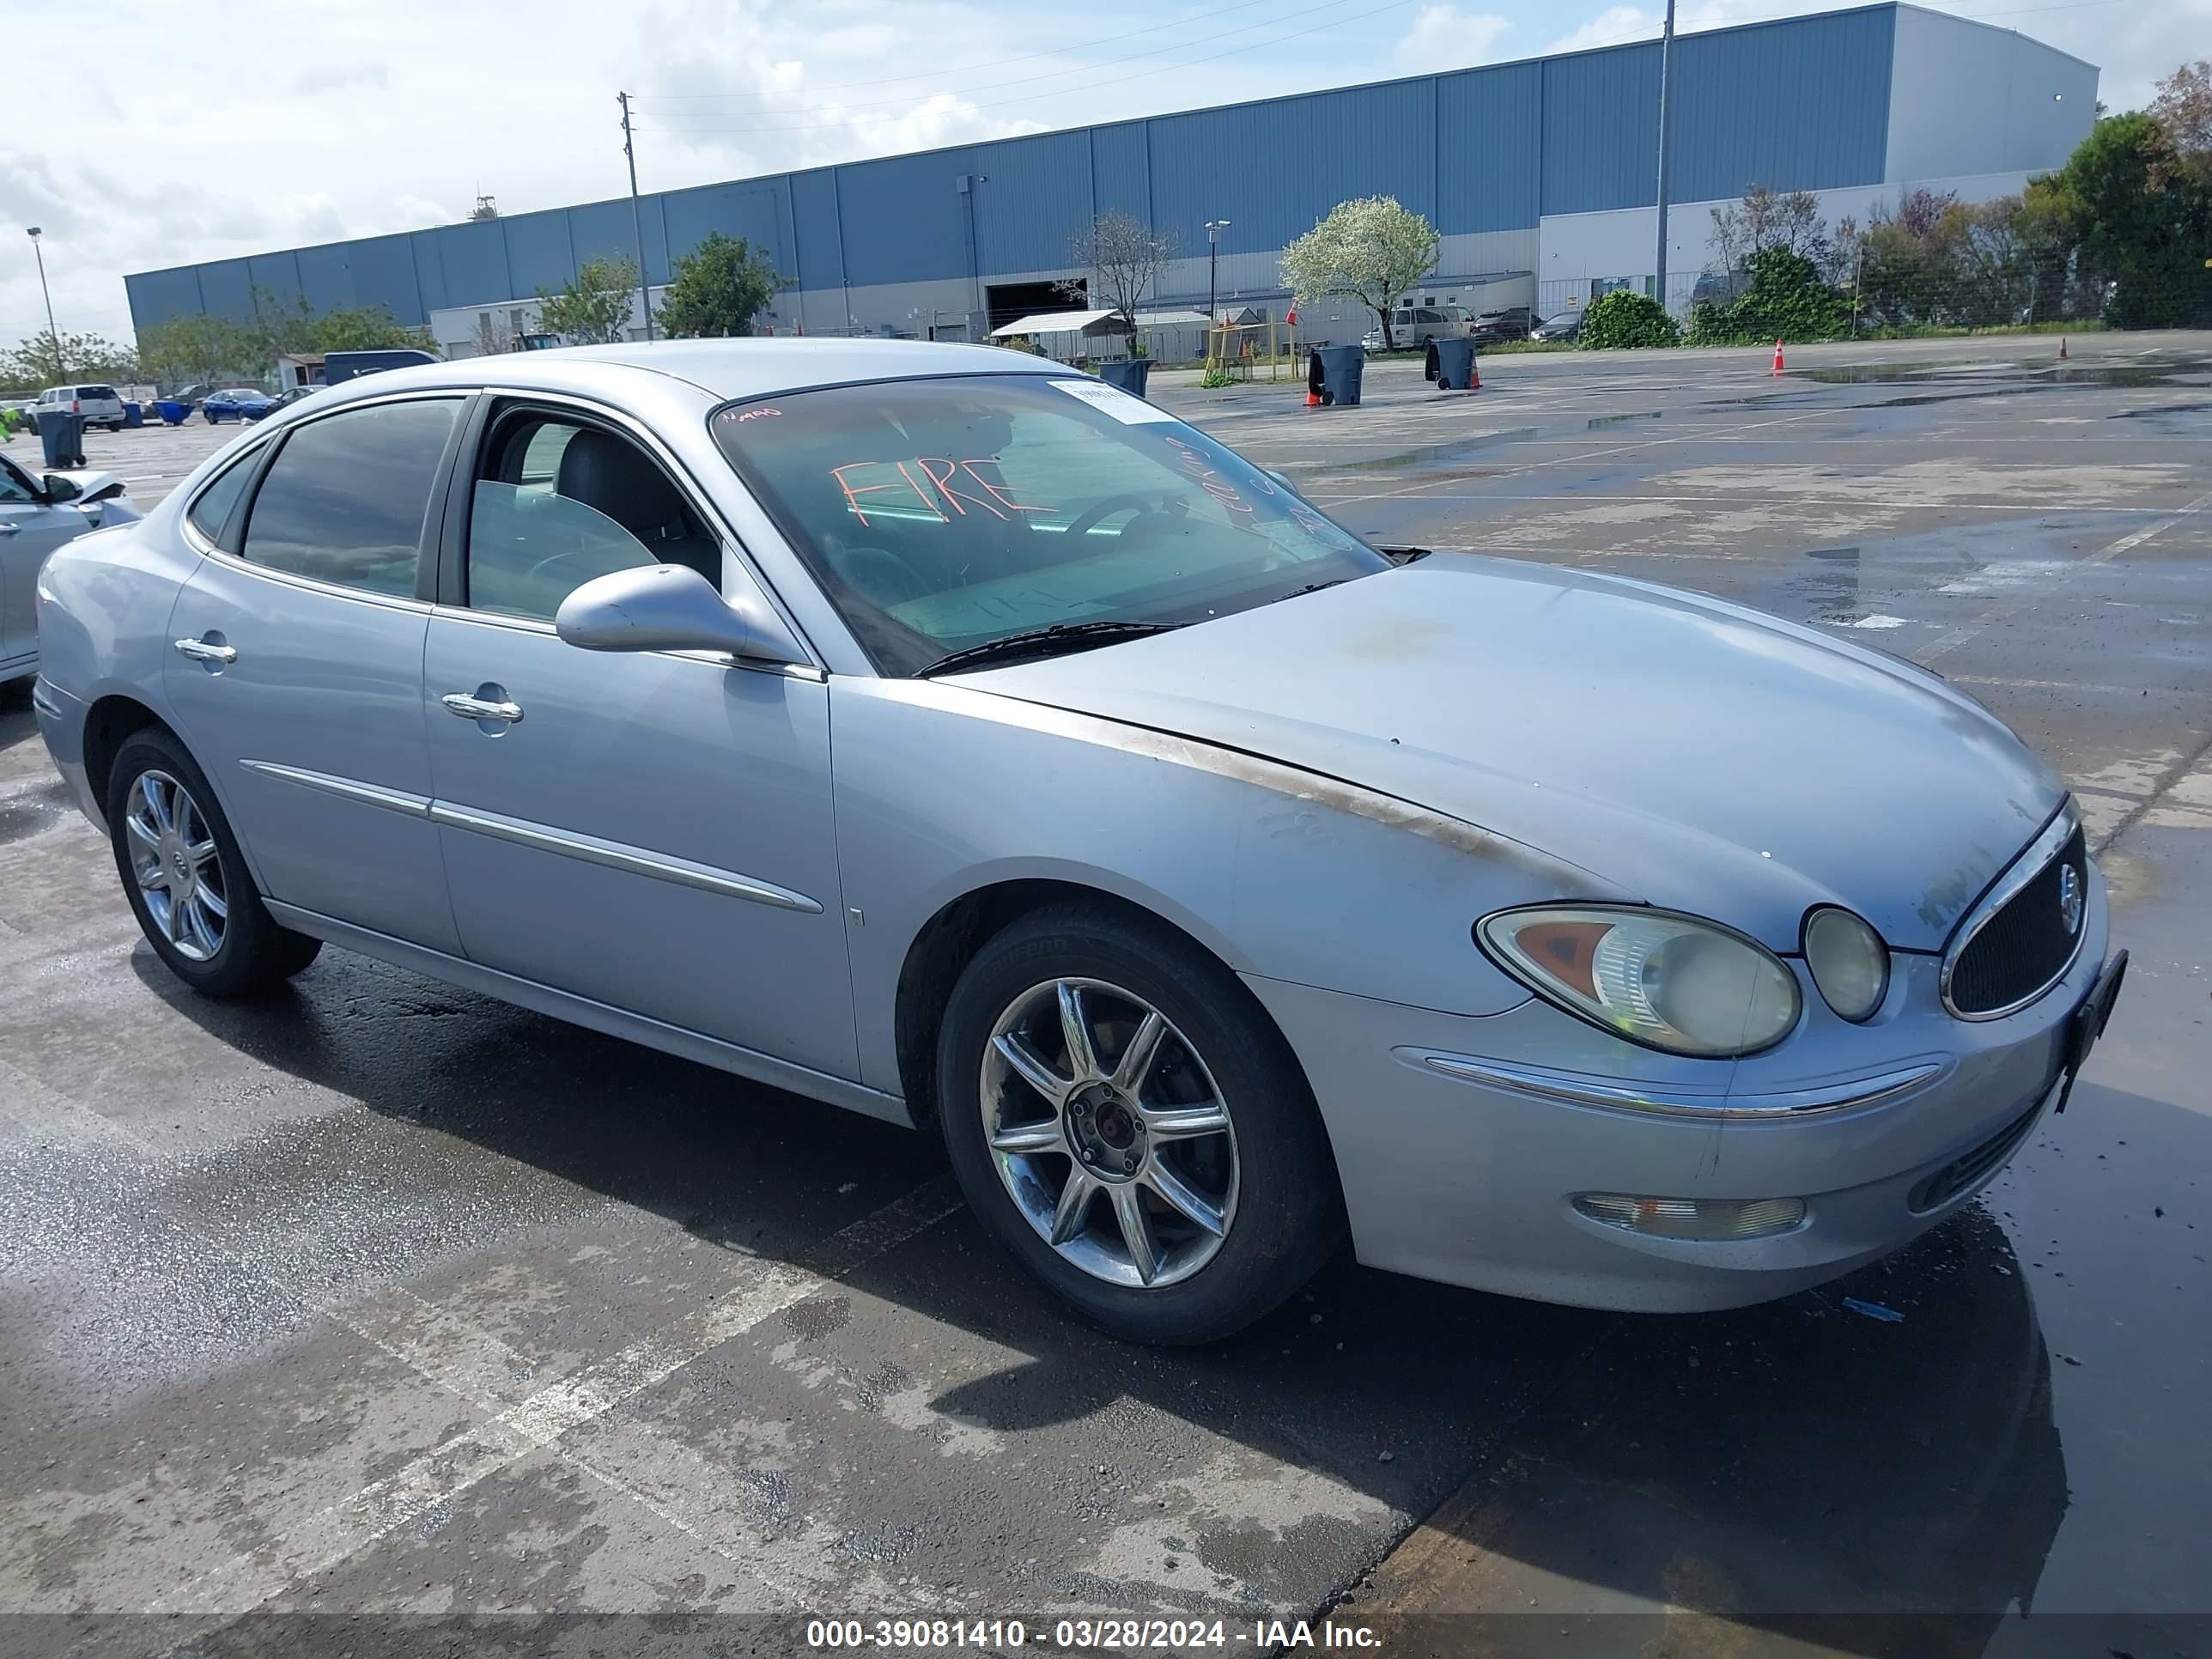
[1848, 963]
[1667, 981]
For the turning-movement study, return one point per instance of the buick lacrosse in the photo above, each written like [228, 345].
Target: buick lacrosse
[941, 732]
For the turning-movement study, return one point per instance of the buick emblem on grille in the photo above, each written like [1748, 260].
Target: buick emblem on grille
[2069, 898]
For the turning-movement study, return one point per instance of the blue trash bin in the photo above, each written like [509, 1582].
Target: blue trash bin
[1455, 364]
[134, 414]
[172, 412]
[1340, 370]
[62, 436]
[1128, 372]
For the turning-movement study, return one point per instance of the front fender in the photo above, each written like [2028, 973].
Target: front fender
[942, 790]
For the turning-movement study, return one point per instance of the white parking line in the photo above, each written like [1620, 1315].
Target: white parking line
[1587, 455]
[455, 1465]
[1942, 645]
[478, 1366]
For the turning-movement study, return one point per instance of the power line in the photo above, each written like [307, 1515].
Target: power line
[1001, 103]
[991, 63]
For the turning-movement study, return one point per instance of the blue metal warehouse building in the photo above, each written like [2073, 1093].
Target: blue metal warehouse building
[1540, 175]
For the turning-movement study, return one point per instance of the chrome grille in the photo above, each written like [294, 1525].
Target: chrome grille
[2023, 936]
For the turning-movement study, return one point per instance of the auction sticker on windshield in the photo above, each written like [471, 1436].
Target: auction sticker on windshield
[1130, 412]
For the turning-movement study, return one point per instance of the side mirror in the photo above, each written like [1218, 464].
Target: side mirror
[670, 607]
[60, 490]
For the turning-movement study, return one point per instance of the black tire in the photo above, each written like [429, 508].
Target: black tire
[1289, 1216]
[254, 954]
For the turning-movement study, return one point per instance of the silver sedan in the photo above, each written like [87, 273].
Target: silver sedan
[946, 734]
[41, 510]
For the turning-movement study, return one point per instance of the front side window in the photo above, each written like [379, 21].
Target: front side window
[940, 515]
[558, 501]
[348, 496]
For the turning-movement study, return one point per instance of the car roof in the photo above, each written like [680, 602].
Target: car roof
[723, 369]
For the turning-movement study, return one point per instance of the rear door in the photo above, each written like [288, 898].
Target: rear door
[297, 667]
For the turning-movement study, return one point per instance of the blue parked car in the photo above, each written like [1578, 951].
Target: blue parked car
[237, 403]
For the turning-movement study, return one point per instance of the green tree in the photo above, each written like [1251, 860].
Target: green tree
[1371, 250]
[593, 308]
[200, 347]
[45, 360]
[1624, 317]
[2139, 213]
[716, 291]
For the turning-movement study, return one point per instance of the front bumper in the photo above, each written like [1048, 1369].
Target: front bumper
[1460, 1151]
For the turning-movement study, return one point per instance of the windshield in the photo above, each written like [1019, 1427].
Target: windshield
[942, 514]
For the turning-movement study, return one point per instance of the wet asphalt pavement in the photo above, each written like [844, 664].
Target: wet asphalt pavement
[382, 1305]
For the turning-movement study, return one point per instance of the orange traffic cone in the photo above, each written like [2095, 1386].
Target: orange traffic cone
[2062, 348]
[1777, 357]
[1473, 374]
[1313, 400]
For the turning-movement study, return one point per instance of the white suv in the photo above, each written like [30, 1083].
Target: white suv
[1416, 325]
[98, 405]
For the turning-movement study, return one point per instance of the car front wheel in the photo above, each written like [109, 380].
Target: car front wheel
[1127, 1121]
[185, 879]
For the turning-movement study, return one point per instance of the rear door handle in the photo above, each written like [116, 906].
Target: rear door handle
[7, 529]
[481, 709]
[201, 651]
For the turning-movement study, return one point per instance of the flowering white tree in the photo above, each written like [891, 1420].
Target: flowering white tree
[1371, 249]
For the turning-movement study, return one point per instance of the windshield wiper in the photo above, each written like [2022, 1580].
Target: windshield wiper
[1045, 642]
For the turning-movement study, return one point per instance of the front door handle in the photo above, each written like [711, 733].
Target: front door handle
[201, 651]
[481, 708]
[8, 529]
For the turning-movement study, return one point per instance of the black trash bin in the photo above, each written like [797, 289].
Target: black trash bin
[1128, 372]
[1455, 364]
[62, 435]
[1339, 369]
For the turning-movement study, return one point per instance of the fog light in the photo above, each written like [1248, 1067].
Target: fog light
[1694, 1217]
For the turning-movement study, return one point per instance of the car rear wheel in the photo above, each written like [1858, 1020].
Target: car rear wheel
[185, 879]
[1125, 1119]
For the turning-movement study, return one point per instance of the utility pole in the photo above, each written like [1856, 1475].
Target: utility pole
[637, 223]
[1666, 86]
[52, 333]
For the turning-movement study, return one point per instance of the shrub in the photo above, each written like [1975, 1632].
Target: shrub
[1625, 318]
[1786, 300]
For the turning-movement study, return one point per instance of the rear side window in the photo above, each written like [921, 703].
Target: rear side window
[347, 497]
[211, 511]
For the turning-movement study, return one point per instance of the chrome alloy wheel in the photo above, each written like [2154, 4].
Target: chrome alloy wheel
[1110, 1132]
[179, 874]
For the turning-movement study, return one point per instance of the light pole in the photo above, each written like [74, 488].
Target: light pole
[1213, 230]
[52, 333]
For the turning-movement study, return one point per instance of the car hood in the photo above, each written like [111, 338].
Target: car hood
[1704, 756]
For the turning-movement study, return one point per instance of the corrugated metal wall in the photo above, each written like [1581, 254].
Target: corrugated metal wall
[1798, 104]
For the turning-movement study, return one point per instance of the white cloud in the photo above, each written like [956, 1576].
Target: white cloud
[1446, 38]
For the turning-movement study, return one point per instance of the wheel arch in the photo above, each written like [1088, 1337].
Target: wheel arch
[110, 723]
[948, 941]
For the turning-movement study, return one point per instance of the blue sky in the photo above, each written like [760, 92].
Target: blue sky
[348, 118]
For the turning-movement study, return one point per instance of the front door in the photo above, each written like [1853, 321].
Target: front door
[29, 531]
[650, 830]
[296, 668]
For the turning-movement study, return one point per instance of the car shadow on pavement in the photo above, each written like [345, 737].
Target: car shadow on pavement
[1801, 1458]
